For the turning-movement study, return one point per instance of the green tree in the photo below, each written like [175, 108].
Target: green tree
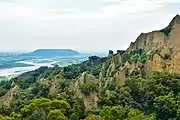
[61, 105]
[6, 118]
[113, 113]
[56, 115]
[166, 106]
[94, 117]
[88, 87]
[135, 114]
[43, 106]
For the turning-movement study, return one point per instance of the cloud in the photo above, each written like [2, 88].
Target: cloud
[88, 25]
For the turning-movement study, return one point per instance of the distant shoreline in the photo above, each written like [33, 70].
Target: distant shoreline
[21, 66]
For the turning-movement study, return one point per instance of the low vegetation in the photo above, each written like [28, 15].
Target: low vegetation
[156, 97]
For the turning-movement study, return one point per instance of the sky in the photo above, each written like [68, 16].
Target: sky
[83, 25]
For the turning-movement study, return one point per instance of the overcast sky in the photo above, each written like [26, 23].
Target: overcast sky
[84, 25]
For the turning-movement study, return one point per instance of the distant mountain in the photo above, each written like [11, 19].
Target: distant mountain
[53, 52]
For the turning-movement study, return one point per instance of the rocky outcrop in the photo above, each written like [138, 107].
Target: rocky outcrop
[120, 77]
[53, 84]
[149, 41]
[111, 53]
[117, 59]
[161, 48]
[133, 68]
[104, 68]
[173, 65]
[110, 66]
[166, 39]
[91, 99]
[9, 96]
[165, 52]
[156, 63]
[174, 36]
[85, 78]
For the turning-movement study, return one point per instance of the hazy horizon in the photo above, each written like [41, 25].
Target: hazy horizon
[80, 51]
[85, 26]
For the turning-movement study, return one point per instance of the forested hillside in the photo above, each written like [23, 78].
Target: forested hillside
[141, 83]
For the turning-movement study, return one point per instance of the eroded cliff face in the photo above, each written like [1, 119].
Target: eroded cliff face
[112, 69]
[165, 41]
[167, 38]
[53, 85]
[149, 41]
[156, 63]
[85, 78]
[173, 65]
[120, 77]
[90, 99]
[109, 67]
[9, 96]
[172, 31]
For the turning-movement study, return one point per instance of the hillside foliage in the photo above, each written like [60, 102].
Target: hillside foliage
[155, 97]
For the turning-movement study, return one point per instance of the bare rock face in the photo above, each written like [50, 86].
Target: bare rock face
[10, 95]
[91, 99]
[104, 68]
[120, 77]
[131, 67]
[175, 21]
[149, 41]
[53, 84]
[86, 78]
[111, 68]
[162, 53]
[117, 59]
[110, 65]
[174, 63]
[156, 63]
[165, 52]
[174, 35]
[167, 41]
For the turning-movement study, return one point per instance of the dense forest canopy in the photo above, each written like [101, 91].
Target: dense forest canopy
[150, 98]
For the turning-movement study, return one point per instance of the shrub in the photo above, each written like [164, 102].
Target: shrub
[88, 87]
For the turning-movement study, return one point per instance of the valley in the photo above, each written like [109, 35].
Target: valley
[14, 64]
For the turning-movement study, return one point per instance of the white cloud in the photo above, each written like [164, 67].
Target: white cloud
[88, 25]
